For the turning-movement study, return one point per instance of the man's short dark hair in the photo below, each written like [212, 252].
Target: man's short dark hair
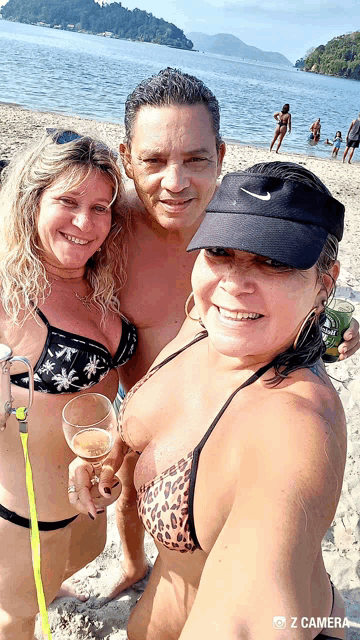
[171, 87]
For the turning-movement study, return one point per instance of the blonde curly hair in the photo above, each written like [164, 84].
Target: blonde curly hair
[23, 279]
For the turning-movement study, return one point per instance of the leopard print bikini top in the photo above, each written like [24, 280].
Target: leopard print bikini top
[166, 503]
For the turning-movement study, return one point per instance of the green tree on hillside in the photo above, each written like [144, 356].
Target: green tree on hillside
[93, 18]
[339, 57]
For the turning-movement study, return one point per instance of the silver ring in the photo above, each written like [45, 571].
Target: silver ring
[72, 489]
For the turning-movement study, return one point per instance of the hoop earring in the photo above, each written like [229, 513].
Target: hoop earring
[187, 313]
[311, 317]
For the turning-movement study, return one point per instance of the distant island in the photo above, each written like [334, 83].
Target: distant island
[87, 16]
[229, 45]
[339, 57]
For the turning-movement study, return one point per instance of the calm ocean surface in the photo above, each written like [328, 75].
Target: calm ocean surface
[91, 76]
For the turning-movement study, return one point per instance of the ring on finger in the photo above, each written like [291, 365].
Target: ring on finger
[72, 489]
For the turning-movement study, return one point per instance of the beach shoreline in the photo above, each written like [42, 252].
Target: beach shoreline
[28, 117]
[96, 618]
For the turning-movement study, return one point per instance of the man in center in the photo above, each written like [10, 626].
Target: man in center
[173, 152]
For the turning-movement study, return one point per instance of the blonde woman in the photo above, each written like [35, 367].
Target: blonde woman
[63, 236]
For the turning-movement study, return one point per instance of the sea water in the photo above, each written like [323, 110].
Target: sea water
[91, 76]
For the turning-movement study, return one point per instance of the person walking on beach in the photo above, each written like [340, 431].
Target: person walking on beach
[315, 129]
[352, 139]
[283, 119]
[173, 152]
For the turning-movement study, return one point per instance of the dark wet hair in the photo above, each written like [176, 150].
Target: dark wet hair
[337, 133]
[171, 87]
[285, 108]
[310, 345]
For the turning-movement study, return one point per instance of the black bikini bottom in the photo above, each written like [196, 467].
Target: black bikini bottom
[25, 522]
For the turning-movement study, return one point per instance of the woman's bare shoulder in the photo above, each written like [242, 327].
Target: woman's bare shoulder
[308, 394]
[313, 388]
[293, 443]
[294, 421]
[23, 337]
[301, 418]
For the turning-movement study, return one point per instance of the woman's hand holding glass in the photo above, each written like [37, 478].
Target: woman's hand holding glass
[90, 428]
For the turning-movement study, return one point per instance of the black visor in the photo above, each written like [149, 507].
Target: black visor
[281, 219]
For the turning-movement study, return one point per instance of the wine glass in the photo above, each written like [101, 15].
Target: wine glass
[90, 427]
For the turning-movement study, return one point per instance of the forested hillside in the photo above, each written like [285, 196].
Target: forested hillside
[89, 16]
[339, 57]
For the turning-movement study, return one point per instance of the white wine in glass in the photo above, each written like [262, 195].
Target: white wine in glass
[90, 426]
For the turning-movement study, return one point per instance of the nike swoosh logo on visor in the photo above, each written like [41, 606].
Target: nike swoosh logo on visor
[255, 195]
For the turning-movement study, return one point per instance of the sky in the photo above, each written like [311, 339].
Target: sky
[290, 27]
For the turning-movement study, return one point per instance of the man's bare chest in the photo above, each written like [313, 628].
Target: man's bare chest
[158, 283]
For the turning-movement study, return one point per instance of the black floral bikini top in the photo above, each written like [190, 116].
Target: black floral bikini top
[71, 363]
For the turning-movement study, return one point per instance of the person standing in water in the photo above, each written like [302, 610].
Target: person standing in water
[283, 119]
[315, 129]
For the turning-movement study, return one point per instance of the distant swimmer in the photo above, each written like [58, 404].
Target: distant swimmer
[283, 119]
[315, 130]
[352, 139]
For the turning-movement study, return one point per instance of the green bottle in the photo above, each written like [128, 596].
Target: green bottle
[338, 317]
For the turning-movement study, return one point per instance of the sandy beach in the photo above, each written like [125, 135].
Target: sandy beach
[99, 619]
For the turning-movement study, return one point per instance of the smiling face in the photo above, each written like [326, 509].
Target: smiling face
[73, 222]
[252, 306]
[174, 163]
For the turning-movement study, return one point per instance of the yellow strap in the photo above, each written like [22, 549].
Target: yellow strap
[35, 541]
[21, 413]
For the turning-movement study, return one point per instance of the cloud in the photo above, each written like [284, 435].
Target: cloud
[294, 6]
[322, 10]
